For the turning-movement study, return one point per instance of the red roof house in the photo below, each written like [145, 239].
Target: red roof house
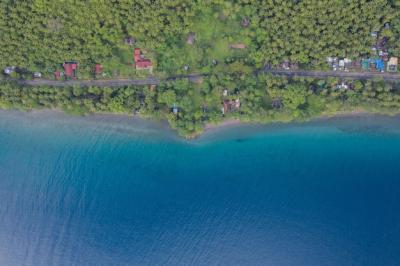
[144, 64]
[70, 69]
[138, 55]
[57, 75]
[98, 69]
[140, 62]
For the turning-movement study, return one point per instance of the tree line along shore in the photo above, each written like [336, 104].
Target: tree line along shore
[190, 106]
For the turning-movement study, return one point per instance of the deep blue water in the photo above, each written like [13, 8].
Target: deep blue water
[118, 191]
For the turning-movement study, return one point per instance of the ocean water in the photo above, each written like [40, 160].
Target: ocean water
[120, 191]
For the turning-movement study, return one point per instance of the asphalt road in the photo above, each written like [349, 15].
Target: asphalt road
[195, 77]
[337, 74]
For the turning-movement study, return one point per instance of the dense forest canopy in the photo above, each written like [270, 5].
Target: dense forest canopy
[41, 34]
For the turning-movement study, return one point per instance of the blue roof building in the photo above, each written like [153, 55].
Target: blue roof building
[380, 65]
[175, 109]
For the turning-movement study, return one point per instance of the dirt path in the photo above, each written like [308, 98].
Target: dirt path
[195, 77]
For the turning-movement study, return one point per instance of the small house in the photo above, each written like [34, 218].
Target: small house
[57, 75]
[231, 105]
[191, 38]
[70, 69]
[342, 86]
[374, 34]
[341, 64]
[129, 41]
[237, 103]
[140, 62]
[175, 109]
[144, 64]
[294, 66]
[277, 103]
[380, 65]
[333, 63]
[98, 69]
[285, 65]
[137, 55]
[384, 54]
[9, 70]
[392, 64]
[226, 106]
[37, 75]
[381, 43]
[356, 64]
[245, 22]
[365, 65]
[237, 46]
[345, 64]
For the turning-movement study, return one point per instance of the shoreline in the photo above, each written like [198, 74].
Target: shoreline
[162, 125]
[237, 122]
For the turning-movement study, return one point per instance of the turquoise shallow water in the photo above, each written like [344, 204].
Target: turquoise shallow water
[119, 191]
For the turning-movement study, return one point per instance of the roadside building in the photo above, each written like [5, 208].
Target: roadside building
[285, 65]
[140, 62]
[144, 64]
[70, 69]
[191, 38]
[237, 46]
[333, 63]
[9, 70]
[98, 69]
[356, 64]
[245, 22]
[226, 106]
[175, 109]
[342, 85]
[347, 63]
[237, 103]
[230, 105]
[277, 103]
[365, 64]
[57, 75]
[294, 66]
[341, 64]
[137, 55]
[380, 65]
[129, 41]
[37, 75]
[392, 64]
[384, 54]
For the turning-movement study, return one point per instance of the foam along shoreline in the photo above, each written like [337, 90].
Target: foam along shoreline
[119, 123]
[139, 126]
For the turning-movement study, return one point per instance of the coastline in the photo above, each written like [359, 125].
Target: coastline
[144, 124]
[325, 116]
